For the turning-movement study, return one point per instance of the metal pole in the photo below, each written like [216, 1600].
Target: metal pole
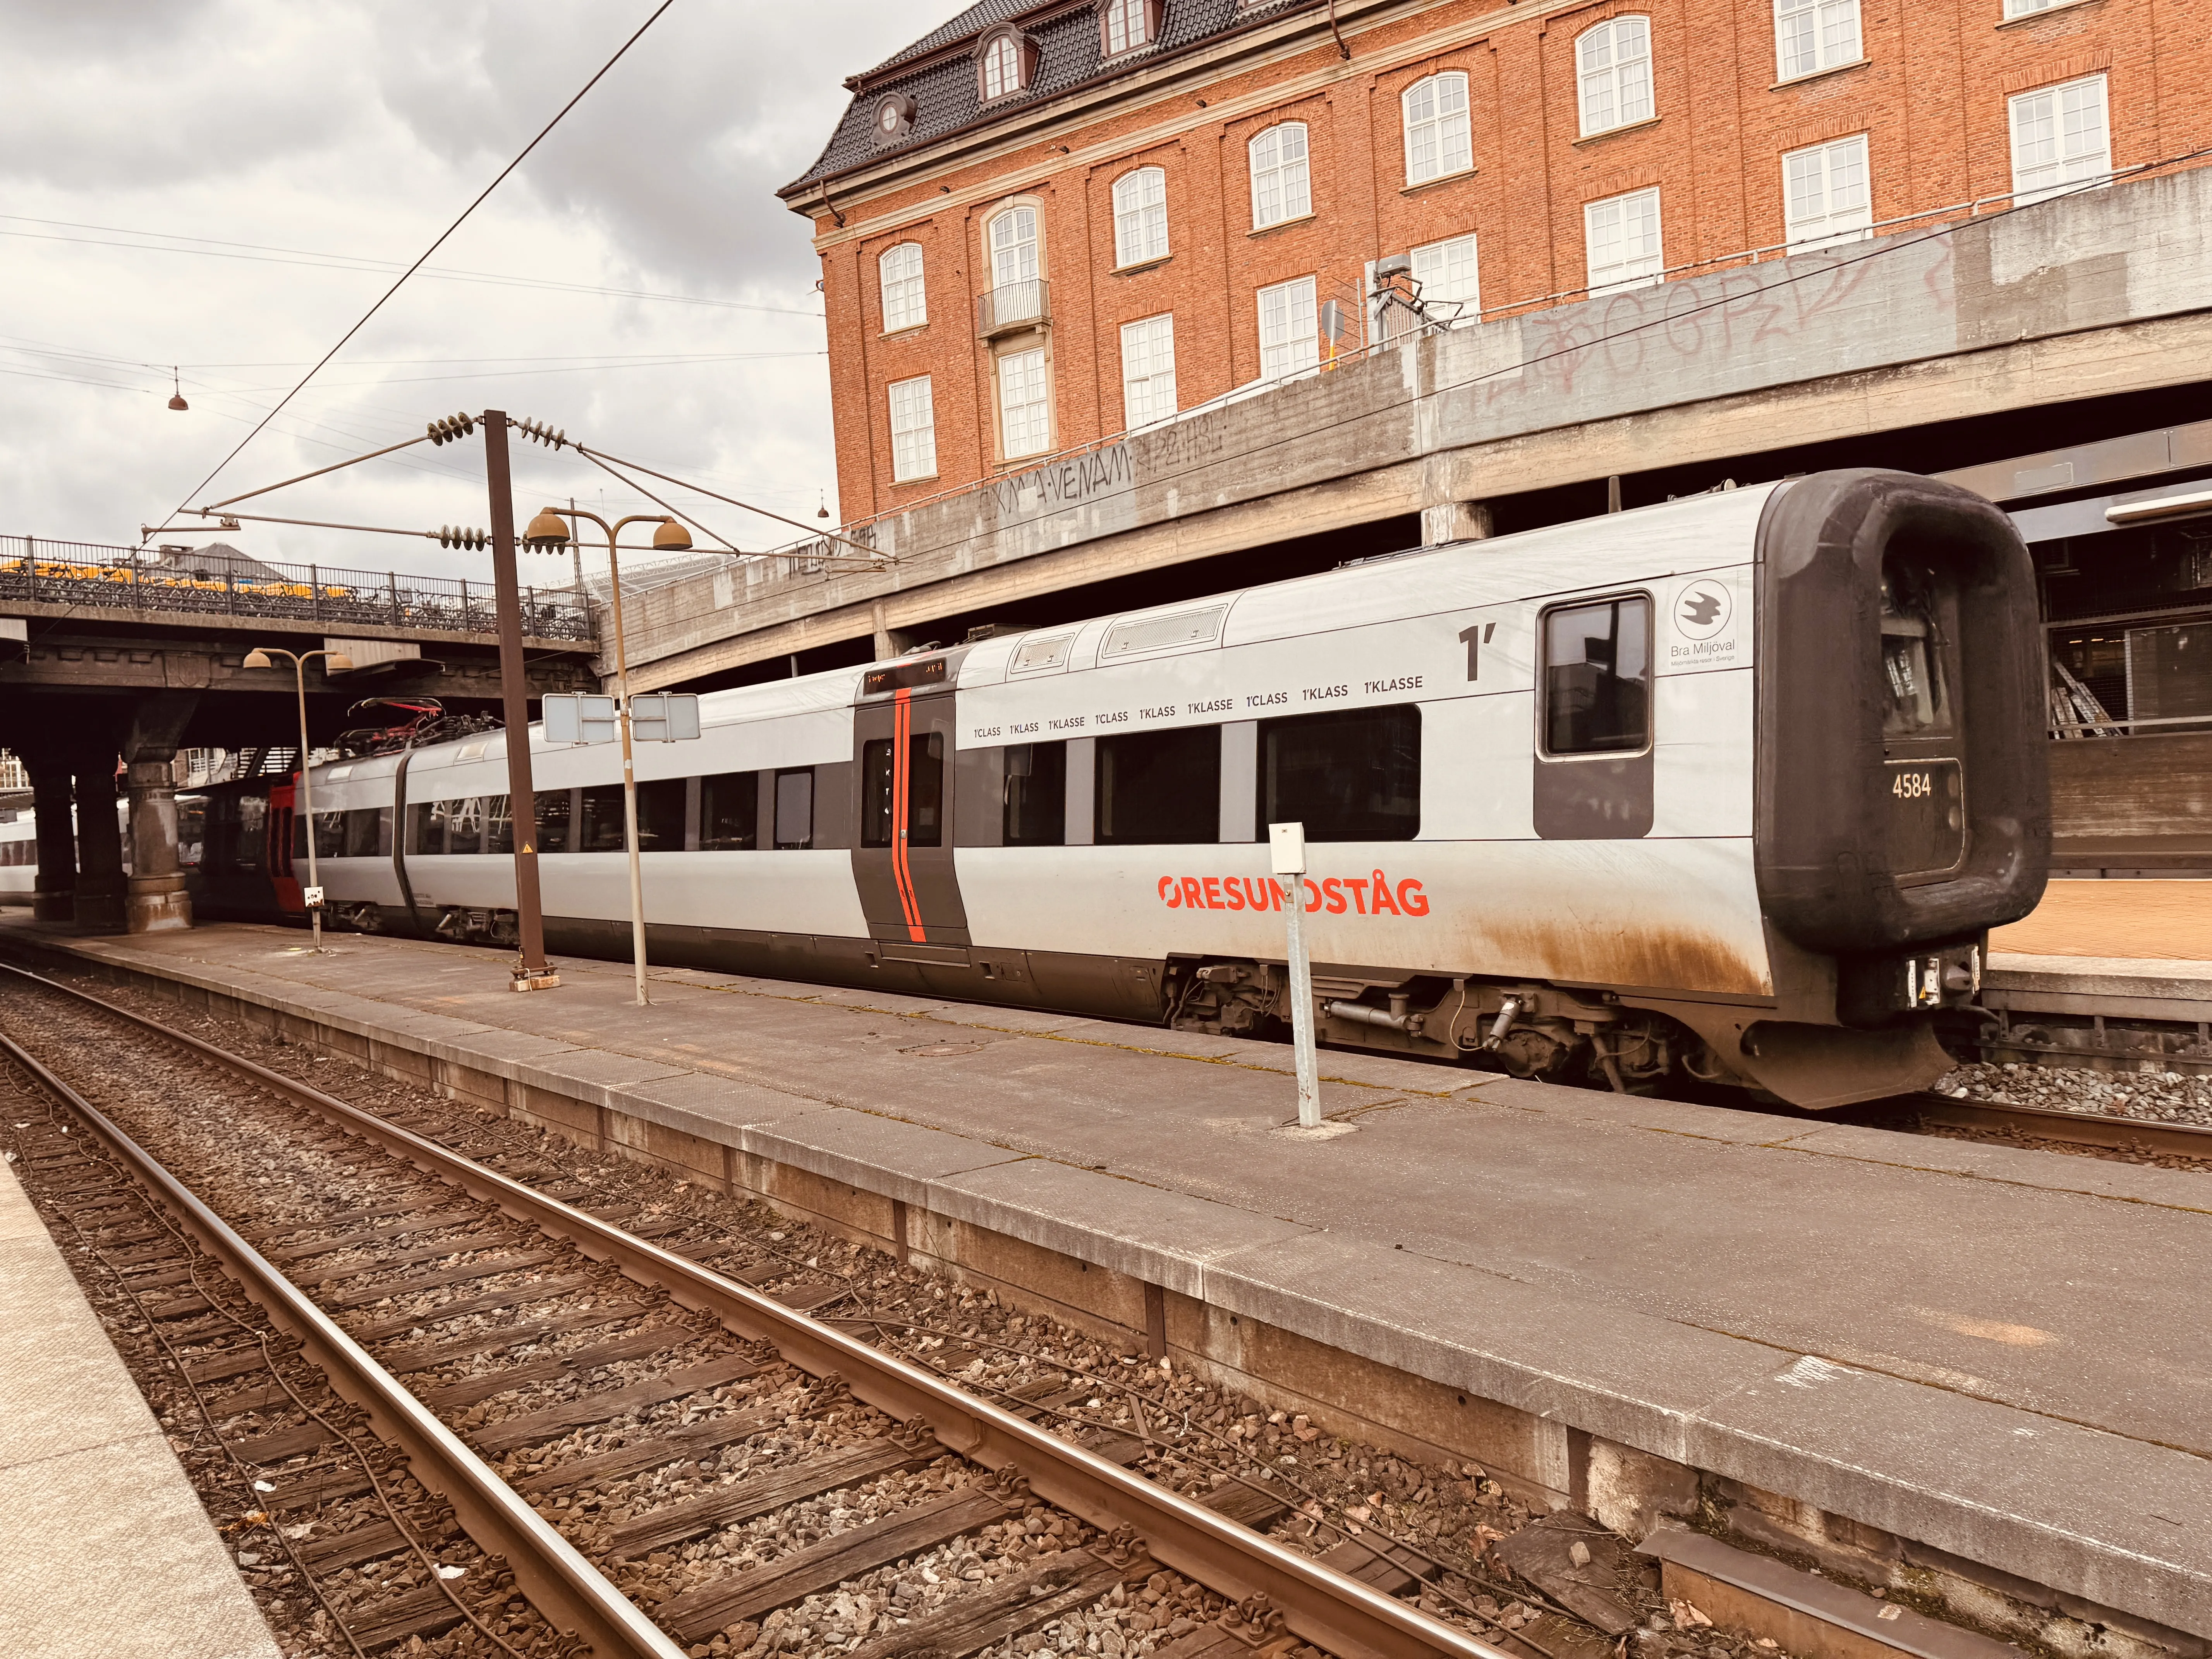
[1287, 844]
[629, 777]
[307, 796]
[531, 971]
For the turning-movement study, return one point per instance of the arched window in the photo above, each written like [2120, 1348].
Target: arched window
[1812, 35]
[1128, 24]
[905, 305]
[1281, 188]
[1614, 62]
[1003, 67]
[1436, 128]
[1013, 237]
[1140, 216]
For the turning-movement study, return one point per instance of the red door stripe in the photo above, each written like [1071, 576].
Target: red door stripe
[901, 727]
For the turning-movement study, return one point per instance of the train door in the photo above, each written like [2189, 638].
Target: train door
[903, 854]
[281, 819]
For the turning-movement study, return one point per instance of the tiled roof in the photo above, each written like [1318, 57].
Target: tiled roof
[946, 94]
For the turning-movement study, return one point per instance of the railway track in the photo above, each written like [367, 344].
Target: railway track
[2136, 1140]
[445, 1368]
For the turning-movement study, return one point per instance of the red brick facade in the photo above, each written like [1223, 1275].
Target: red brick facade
[1929, 91]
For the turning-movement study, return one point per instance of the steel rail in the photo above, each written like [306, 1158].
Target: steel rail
[1319, 1604]
[2049, 1123]
[565, 1587]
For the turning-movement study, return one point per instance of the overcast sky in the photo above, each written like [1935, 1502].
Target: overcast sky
[211, 183]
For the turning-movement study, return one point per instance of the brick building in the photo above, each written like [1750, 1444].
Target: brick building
[1042, 225]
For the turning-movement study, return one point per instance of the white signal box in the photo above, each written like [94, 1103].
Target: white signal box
[654, 717]
[580, 718]
[664, 717]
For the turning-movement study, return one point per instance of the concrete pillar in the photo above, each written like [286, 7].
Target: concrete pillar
[1454, 521]
[54, 895]
[100, 880]
[885, 642]
[156, 901]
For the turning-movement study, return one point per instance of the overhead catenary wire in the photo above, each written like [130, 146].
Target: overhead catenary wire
[424, 258]
[314, 260]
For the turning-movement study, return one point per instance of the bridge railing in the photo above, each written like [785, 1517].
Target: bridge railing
[95, 577]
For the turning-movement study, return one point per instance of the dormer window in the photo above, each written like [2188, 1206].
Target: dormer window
[1007, 64]
[1125, 24]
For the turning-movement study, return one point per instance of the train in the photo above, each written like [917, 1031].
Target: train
[1724, 793]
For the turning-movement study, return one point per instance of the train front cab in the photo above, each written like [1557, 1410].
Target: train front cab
[1903, 808]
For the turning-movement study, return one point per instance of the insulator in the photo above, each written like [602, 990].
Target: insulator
[451, 430]
[453, 535]
[540, 432]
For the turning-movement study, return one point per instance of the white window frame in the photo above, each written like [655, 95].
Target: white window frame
[1821, 173]
[2032, 182]
[1626, 270]
[913, 429]
[905, 297]
[1140, 216]
[1814, 35]
[1148, 371]
[1019, 257]
[1131, 20]
[1622, 83]
[1290, 340]
[1450, 274]
[2028, 8]
[1282, 184]
[1439, 141]
[1002, 67]
[1024, 428]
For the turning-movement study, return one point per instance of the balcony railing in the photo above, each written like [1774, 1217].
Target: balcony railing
[1013, 305]
[120, 578]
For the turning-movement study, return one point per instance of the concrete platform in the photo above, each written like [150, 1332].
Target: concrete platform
[104, 1550]
[1979, 1373]
[2116, 920]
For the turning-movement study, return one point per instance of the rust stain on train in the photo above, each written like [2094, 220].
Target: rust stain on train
[1575, 950]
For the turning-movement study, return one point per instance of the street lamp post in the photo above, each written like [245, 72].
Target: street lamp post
[343, 664]
[548, 532]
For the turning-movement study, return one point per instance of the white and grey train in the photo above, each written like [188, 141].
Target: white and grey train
[1729, 789]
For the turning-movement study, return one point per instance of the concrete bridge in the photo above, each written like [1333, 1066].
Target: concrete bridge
[1924, 350]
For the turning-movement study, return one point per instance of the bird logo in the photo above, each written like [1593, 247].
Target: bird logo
[1702, 610]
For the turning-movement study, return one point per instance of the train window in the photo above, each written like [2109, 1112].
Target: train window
[251, 848]
[1919, 703]
[191, 830]
[602, 828]
[1349, 774]
[1036, 794]
[330, 835]
[661, 806]
[925, 791]
[1597, 677]
[466, 831]
[499, 824]
[553, 821]
[364, 827]
[1159, 788]
[794, 808]
[875, 793]
[729, 812]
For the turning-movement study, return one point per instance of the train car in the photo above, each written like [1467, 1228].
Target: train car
[19, 856]
[1729, 789]
[19, 851]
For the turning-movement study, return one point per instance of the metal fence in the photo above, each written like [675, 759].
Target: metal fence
[94, 577]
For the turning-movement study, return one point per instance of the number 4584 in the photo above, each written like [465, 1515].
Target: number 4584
[1912, 785]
